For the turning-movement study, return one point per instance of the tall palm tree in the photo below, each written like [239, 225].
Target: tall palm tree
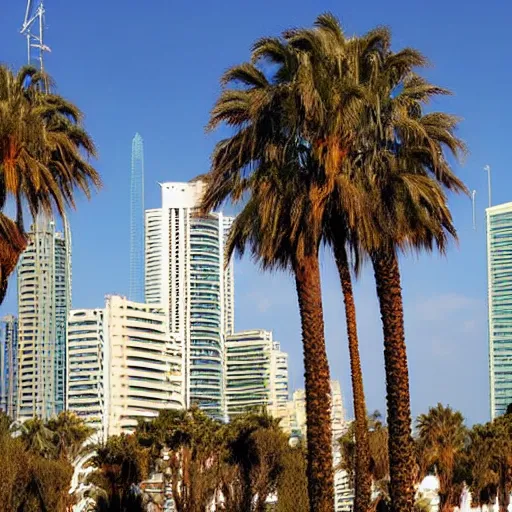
[400, 151]
[266, 160]
[441, 440]
[393, 155]
[44, 154]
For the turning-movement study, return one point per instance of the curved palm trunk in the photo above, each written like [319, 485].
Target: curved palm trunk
[401, 458]
[318, 387]
[363, 480]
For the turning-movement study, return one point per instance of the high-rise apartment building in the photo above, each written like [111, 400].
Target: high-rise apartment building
[44, 299]
[136, 290]
[88, 372]
[9, 365]
[186, 274]
[499, 275]
[123, 365]
[256, 372]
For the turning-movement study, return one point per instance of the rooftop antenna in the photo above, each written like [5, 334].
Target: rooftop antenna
[487, 169]
[473, 201]
[33, 30]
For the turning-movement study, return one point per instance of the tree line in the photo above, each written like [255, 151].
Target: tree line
[243, 466]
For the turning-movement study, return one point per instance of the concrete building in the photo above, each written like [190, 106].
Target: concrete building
[185, 272]
[9, 365]
[88, 372]
[297, 408]
[44, 300]
[256, 372]
[124, 365]
[499, 272]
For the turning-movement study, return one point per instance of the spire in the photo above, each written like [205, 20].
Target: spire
[136, 290]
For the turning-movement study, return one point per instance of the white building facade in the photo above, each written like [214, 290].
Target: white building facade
[256, 373]
[88, 372]
[186, 273]
[124, 365]
[44, 300]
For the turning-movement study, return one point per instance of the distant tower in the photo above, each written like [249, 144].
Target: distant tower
[136, 292]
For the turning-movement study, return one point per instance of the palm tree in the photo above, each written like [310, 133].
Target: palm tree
[484, 477]
[44, 154]
[278, 226]
[12, 243]
[441, 442]
[407, 172]
[121, 464]
[38, 438]
[192, 447]
[70, 434]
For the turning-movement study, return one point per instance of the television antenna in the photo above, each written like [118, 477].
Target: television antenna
[33, 30]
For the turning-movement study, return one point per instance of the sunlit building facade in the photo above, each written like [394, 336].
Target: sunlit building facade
[256, 373]
[44, 300]
[499, 273]
[88, 373]
[186, 273]
[123, 365]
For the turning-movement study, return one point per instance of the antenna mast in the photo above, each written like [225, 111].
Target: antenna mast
[473, 201]
[33, 30]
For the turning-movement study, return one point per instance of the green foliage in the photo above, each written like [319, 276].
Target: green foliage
[378, 444]
[70, 433]
[292, 485]
[32, 481]
[122, 463]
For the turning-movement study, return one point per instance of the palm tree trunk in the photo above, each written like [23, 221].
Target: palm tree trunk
[401, 457]
[503, 487]
[363, 480]
[318, 387]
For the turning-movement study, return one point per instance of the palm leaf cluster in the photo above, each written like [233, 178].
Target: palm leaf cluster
[44, 158]
[331, 144]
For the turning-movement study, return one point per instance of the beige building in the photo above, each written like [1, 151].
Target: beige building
[123, 365]
[293, 415]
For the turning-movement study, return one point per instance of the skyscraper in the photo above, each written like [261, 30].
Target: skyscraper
[136, 291]
[9, 365]
[185, 273]
[123, 365]
[44, 299]
[499, 275]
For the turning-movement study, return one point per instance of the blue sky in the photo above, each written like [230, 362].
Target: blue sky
[154, 66]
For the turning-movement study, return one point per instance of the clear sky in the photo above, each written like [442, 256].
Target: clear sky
[153, 67]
